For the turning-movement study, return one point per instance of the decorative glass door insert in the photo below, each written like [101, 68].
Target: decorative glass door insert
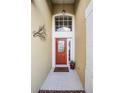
[61, 46]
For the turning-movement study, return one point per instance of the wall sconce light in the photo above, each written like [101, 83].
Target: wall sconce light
[63, 11]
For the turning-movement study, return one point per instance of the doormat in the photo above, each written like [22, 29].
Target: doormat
[61, 69]
[61, 91]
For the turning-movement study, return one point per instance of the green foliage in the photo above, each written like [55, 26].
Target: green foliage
[72, 62]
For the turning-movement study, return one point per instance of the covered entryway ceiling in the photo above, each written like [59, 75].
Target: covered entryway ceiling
[63, 1]
[52, 3]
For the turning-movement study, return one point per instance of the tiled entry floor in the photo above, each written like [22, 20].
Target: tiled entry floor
[62, 81]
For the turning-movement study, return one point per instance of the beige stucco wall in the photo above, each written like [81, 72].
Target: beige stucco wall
[40, 50]
[57, 8]
[80, 39]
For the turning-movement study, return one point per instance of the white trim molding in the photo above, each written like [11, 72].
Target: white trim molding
[69, 35]
[89, 9]
[89, 49]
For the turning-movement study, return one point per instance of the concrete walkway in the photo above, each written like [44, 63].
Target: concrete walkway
[62, 81]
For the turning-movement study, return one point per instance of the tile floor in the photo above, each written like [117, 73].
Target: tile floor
[62, 81]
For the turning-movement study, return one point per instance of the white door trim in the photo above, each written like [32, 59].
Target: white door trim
[62, 35]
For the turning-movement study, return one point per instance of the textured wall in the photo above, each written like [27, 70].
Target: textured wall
[41, 50]
[80, 39]
[57, 8]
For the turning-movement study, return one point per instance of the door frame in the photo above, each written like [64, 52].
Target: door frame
[68, 35]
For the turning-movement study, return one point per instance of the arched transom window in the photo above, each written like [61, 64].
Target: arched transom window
[63, 23]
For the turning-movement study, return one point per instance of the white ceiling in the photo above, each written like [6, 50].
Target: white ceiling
[61, 1]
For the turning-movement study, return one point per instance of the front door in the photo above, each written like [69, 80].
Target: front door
[61, 51]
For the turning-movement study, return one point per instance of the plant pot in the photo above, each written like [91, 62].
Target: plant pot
[72, 66]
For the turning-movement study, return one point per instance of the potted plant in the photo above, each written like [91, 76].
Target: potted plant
[72, 64]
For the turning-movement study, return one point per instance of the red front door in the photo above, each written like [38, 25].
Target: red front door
[61, 51]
